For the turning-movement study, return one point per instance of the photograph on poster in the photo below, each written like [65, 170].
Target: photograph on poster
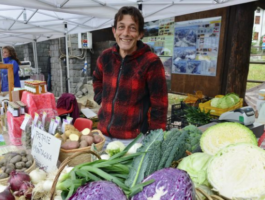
[167, 62]
[186, 36]
[179, 67]
[151, 28]
[184, 53]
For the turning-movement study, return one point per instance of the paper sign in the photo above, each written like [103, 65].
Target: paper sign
[45, 150]
[36, 117]
[88, 113]
[25, 122]
[43, 118]
[51, 125]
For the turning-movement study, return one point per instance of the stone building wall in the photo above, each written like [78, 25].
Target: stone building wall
[57, 50]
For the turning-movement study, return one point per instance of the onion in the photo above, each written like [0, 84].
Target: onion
[25, 189]
[37, 175]
[17, 178]
[6, 195]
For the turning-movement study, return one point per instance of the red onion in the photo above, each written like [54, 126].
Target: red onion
[16, 179]
[25, 190]
[6, 195]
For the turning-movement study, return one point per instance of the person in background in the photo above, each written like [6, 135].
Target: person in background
[10, 57]
[129, 82]
[49, 84]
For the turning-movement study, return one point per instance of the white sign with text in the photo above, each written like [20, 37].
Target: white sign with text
[45, 150]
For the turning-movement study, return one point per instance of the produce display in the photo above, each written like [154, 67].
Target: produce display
[223, 162]
[220, 135]
[128, 171]
[19, 161]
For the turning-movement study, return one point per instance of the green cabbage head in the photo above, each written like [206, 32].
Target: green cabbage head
[196, 166]
[226, 102]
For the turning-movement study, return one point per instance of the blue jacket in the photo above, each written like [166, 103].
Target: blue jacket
[4, 75]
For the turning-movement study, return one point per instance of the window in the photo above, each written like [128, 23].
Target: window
[257, 20]
[258, 10]
[256, 36]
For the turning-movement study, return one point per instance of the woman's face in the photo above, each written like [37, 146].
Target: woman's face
[6, 53]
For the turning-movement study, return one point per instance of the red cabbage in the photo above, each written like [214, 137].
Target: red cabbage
[99, 190]
[169, 184]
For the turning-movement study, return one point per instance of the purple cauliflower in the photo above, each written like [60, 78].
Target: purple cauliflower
[169, 184]
[99, 190]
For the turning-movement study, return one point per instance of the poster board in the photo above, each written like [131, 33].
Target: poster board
[196, 46]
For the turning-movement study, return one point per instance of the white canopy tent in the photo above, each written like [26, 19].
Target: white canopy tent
[23, 21]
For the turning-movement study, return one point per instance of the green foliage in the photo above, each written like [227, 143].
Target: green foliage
[140, 163]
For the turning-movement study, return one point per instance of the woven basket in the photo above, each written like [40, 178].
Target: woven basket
[66, 162]
[4, 181]
[207, 197]
[81, 158]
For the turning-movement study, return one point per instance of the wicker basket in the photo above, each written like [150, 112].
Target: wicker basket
[81, 158]
[207, 197]
[66, 162]
[4, 181]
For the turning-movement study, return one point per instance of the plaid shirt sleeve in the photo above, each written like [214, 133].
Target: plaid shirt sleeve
[98, 81]
[158, 95]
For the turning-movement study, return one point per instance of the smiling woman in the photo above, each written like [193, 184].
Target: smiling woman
[127, 33]
[129, 82]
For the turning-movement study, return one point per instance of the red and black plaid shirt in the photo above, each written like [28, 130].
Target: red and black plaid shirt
[127, 89]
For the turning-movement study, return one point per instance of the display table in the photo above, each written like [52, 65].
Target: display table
[40, 103]
[14, 130]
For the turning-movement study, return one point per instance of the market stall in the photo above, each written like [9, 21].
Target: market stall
[64, 160]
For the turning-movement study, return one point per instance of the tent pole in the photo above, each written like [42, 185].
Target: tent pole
[67, 57]
[34, 43]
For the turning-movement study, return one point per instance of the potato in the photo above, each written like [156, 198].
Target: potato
[3, 175]
[28, 164]
[96, 131]
[70, 145]
[69, 132]
[86, 131]
[58, 135]
[24, 159]
[30, 158]
[20, 165]
[64, 137]
[97, 138]
[83, 144]
[23, 153]
[16, 159]
[74, 137]
[89, 139]
[69, 127]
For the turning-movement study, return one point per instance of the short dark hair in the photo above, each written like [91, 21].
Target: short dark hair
[134, 12]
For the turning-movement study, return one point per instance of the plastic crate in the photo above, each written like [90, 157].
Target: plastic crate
[218, 111]
[177, 119]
